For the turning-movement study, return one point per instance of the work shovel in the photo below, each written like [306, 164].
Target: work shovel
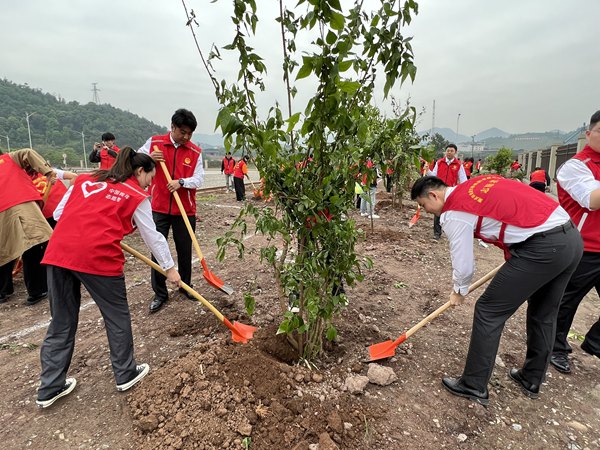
[240, 332]
[208, 275]
[387, 349]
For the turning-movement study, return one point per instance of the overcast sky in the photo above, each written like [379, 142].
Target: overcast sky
[519, 65]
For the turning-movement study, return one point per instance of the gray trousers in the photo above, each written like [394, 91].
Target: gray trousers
[538, 272]
[64, 291]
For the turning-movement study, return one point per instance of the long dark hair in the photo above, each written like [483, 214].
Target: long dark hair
[128, 160]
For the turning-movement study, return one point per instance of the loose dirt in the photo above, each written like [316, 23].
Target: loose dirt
[206, 392]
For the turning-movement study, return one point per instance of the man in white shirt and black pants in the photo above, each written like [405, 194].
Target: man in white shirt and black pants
[579, 194]
[542, 248]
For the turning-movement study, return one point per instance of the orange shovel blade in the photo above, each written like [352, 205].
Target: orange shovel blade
[240, 332]
[215, 280]
[385, 349]
[415, 218]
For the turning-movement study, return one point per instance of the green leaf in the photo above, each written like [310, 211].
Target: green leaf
[331, 332]
[249, 303]
[292, 121]
[304, 71]
[345, 65]
[337, 21]
[350, 87]
[331, 37]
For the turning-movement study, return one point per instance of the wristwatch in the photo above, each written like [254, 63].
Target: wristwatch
[181, 182]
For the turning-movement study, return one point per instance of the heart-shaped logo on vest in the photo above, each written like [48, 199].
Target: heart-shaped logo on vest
[88, 188]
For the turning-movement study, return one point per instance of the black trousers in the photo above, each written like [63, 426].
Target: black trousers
[34, 274]
[183, 246]
[538, 273]
[437, 227]
[65, 299]
[6, 280]
[240, 189]
[538, 185]
[585, 277]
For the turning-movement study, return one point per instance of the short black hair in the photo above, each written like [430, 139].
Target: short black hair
[423, 185]
[594, 120]
[108, 137]
[183, 117]
[453, 146]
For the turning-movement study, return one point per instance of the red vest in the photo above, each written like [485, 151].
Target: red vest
[94, 221]
[181, 163]
[503, 200]
[468, 165]
[107, 160]
[538, 176]
[16, 185]
[448, 173]
[586, 220]
[238, 171]
[228, 165]
[56, 194]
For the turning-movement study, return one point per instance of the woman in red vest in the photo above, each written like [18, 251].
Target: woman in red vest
[539, 179]
[239, 172]
[92, 219]
[544, 248]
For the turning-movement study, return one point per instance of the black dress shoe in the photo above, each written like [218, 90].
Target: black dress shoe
[560, 361]
[586, 348]
[457, 387]
[157, 303]
[33, 299]
[530, 390]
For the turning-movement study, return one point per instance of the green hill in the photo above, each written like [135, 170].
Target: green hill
[56, 125]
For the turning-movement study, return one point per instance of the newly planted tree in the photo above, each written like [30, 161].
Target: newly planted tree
[311, 154]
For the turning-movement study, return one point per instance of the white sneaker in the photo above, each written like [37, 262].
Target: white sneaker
[70, 384]
[374, 216]
[364, 214]
[142, 370]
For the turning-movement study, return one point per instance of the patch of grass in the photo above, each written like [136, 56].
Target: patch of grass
[15, 348]
[575, 336]
[400, 285]
[206, 198]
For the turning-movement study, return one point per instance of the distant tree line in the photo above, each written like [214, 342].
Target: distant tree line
[56, 125]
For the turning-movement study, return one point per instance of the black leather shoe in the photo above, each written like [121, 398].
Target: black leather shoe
[3, 298]
[157, 303]
[530, 390]
[33, 299]
[457, 387]
[560, 361]
[586, 348]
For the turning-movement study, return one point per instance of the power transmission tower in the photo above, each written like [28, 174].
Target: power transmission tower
[433, 119]
[95, 90]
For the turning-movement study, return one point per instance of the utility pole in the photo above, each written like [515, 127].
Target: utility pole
[433, 120]
[457, 119]
[472, 145]
[83, 143]
[27, 116]
[7, 141]
[95, 90]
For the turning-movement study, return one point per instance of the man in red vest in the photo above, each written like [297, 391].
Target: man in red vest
[106, 152]
[543, 248]
[578, 182]
[239, 172]
[227, 166]
[184, 161]
[450, 171]
[23, 228]
[539, 179]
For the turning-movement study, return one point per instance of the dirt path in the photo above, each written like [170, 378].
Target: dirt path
[205, 392]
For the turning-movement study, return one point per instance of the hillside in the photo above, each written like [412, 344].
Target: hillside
[56, 124]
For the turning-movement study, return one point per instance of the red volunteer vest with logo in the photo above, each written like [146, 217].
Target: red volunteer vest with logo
[538, 176]
[448, 173]
[95, 218]
[181, 163]
[56, 194]
[238, 170]
[503, 200]
[17, 186]
[468, 166]
[106, 160]
[586, 220]
[228, 166]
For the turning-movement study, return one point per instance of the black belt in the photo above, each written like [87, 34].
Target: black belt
[559, 229]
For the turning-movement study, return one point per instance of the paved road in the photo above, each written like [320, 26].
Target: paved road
[214, 178]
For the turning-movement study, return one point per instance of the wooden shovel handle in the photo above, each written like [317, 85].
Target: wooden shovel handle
[447, 305]
[159, 269]
[182, 210]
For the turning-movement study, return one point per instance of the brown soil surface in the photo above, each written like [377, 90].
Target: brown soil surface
[206, 392]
